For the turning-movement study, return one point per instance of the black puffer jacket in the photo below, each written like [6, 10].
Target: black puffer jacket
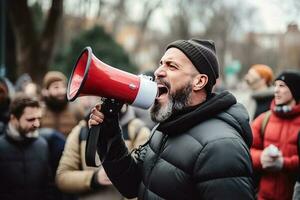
[200, 154]
[24, 169]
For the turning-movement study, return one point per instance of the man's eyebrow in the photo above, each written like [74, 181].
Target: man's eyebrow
[32, 118]
[168, 61]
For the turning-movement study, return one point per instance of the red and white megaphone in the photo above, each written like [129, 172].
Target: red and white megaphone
[92, 77]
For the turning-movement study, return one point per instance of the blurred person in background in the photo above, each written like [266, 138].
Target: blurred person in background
[274, 150]
[58, 114]
[6, 94]
[199, 149]
[24, 155]
[56, 142]
[260, 79]
[22, 81]
[73, 176]
[33, 90]
[296, 195]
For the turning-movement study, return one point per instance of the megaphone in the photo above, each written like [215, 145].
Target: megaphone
[92, 77]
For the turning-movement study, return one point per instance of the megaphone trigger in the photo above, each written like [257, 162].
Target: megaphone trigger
[111, 107]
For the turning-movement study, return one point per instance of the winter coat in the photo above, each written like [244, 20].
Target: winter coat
[256, 102]
[281, 130]
[73, 176]
[25, 172]
[201, 153]
[262, 101]
[63, 121]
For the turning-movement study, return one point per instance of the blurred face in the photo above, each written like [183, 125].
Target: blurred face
[174, 77]
[29, 120]
[3, 93]
[254, 80]
[58, 90]
[31, 90]
[282, 94]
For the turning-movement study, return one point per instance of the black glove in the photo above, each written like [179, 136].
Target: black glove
[110, 126]
[100, 137]
[110, 144]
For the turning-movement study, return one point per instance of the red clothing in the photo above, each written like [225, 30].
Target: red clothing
[282, 130]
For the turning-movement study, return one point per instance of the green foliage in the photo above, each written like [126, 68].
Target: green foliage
[103, 46]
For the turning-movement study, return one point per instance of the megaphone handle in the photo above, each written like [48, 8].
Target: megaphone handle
[91, 146]
[110, 107]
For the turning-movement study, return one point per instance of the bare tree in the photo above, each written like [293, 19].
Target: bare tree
[34, 50]
[224, 25]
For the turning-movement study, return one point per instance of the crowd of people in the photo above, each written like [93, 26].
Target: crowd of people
[199, 144]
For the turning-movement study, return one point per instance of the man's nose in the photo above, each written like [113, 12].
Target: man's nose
[63, 90]
[159, 72]
[36, 123]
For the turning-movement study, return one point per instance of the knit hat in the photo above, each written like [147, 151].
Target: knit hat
[53, 76]
[292, 80]
[265, 72]
[202, 53]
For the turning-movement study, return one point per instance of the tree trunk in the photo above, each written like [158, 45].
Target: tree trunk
[34, 51]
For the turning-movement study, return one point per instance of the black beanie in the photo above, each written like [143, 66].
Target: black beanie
[202, 53]
[292, 80]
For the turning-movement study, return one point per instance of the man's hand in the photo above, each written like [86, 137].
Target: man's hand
[96, 117]
[271, 161]
[103, 178]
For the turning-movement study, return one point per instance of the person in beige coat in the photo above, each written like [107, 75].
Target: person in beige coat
[89, 183]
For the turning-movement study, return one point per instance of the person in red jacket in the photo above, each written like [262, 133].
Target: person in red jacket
[274, 151]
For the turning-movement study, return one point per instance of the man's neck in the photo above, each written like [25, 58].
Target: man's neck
[197, 99]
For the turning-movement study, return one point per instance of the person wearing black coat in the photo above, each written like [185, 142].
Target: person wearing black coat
[25, 172]
[200, 147]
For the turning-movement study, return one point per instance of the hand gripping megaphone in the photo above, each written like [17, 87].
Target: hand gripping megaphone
[92, 77]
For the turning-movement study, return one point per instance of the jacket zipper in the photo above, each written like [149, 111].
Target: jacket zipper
[164, 140]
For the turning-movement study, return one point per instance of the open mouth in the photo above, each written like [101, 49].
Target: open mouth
[162, 90]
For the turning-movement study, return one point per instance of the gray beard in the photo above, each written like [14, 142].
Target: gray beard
[177, 102]
[15, 134]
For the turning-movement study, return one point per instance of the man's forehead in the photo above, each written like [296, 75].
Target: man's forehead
[32, 111]
[176, 55]
[56, 84]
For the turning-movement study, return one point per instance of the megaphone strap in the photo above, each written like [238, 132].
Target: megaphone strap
[91, 146]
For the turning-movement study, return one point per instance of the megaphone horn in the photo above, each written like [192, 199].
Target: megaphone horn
[92, 77]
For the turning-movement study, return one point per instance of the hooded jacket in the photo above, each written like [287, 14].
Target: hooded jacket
[201, 153]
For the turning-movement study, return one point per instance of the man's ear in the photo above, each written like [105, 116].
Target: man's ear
[13, 119]
[200, 82]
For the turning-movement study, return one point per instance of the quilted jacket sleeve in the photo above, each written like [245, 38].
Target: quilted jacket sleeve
[121, 168]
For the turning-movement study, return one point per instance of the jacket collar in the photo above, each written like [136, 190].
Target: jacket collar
[13, 134]
[188, 118]
[285, 111]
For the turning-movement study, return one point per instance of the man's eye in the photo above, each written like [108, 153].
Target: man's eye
[172, 66]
